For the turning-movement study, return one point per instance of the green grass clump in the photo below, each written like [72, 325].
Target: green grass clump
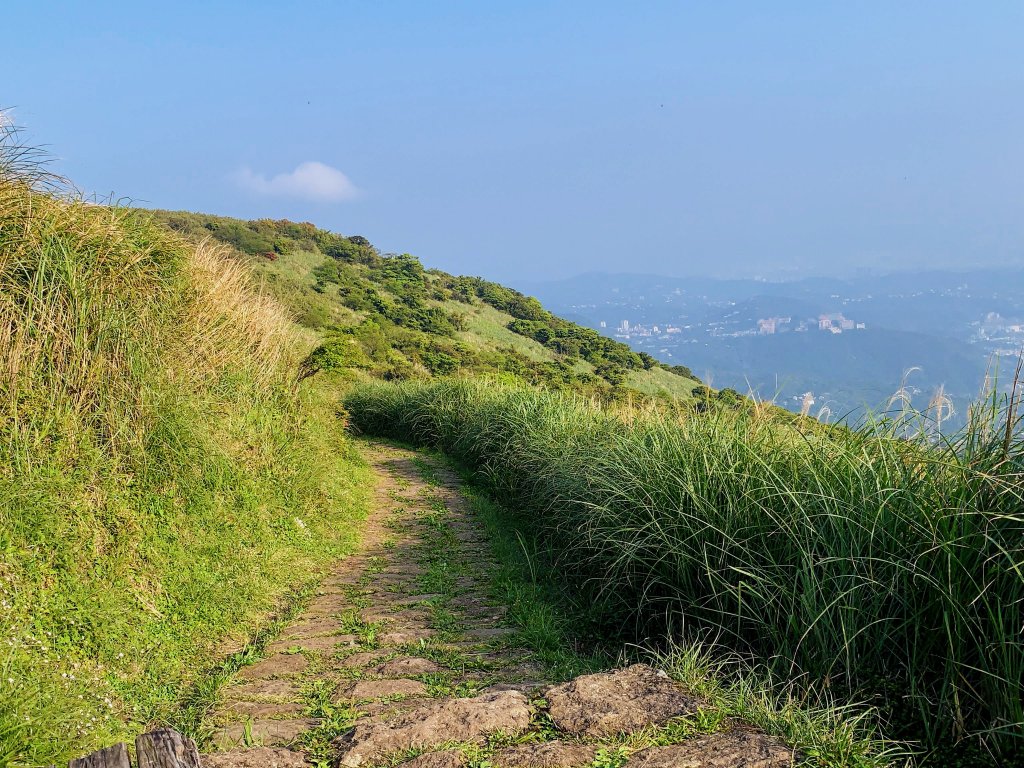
[865, 562]
[163, 479]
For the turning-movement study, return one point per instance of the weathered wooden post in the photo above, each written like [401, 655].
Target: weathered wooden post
[166, 748]
[111, 757]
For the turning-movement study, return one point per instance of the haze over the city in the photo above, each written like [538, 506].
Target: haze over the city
[549, 139]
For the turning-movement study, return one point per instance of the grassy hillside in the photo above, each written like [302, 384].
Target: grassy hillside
[868, 563]
[165, 482]
[387, 316]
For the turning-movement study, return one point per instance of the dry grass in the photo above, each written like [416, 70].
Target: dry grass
[97, 305]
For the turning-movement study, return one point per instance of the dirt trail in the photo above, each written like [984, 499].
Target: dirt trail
[402, 658]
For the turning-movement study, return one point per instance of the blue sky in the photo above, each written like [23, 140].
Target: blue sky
[543, 139]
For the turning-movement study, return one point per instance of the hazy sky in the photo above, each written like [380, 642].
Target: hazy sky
[517, 140]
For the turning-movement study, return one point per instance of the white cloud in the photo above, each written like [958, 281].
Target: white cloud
[311, 180]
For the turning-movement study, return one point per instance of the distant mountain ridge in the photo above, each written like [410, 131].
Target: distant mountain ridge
[947, 328]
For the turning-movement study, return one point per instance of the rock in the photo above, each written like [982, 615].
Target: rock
[407, 666]
[469, 719]
[260, 757]
[738, 748]
[417, 600]
[525, 687]
[312, 627]
[609, 703]
[264, 689]
[267, 732]
[381, 710]
[362, 659]
[379, 689]
[279, 665]
[342, 579]
[262, 709]
[450, 758]
[327, 605]
[489, 633]
[405, 637]
[321, 643]
[549, 754]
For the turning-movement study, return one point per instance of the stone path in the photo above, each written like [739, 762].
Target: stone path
[402, 658]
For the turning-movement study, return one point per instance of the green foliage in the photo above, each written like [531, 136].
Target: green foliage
[611, 359]
[334, 355]
[873, 561]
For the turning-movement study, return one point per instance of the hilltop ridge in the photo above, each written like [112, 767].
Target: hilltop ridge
[387, 316]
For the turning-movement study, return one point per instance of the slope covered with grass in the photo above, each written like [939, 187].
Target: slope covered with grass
[387, 317]
[867, 563]
[165, 482]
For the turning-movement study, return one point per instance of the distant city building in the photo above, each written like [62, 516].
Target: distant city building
[837, 323]
[771, 325]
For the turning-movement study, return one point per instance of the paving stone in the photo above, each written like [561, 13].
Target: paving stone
[548, 754]
[319, 643]
[739, 748]
[322, 625]
[523, 672]
[524, 687]
[489, 633]
[470, 719]
[376, 615]
[405, 637]
[418, 599]
[362, 659]
[262, 709]
[609, 703]
[256, 757]
[381, 711]
[263, 689]
[449, 758]
[379, 689]
[405, 666]
[270, 733]
[346, 578]
[327, 605]
[279, 665]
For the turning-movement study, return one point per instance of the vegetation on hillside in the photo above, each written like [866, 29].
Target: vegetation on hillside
[871, 562]
[386, 315]
[163, 481]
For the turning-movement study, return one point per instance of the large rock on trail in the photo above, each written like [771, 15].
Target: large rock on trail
[731, 749]
[625, 700]
[469, 719]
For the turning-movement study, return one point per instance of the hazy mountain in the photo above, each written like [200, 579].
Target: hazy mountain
[848, 341]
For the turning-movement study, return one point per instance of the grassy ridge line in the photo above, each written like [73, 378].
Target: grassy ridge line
[877, 564]
[162, 480]
[386, 316]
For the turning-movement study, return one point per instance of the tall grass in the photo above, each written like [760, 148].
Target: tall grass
[163, 482]
[865, 561]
